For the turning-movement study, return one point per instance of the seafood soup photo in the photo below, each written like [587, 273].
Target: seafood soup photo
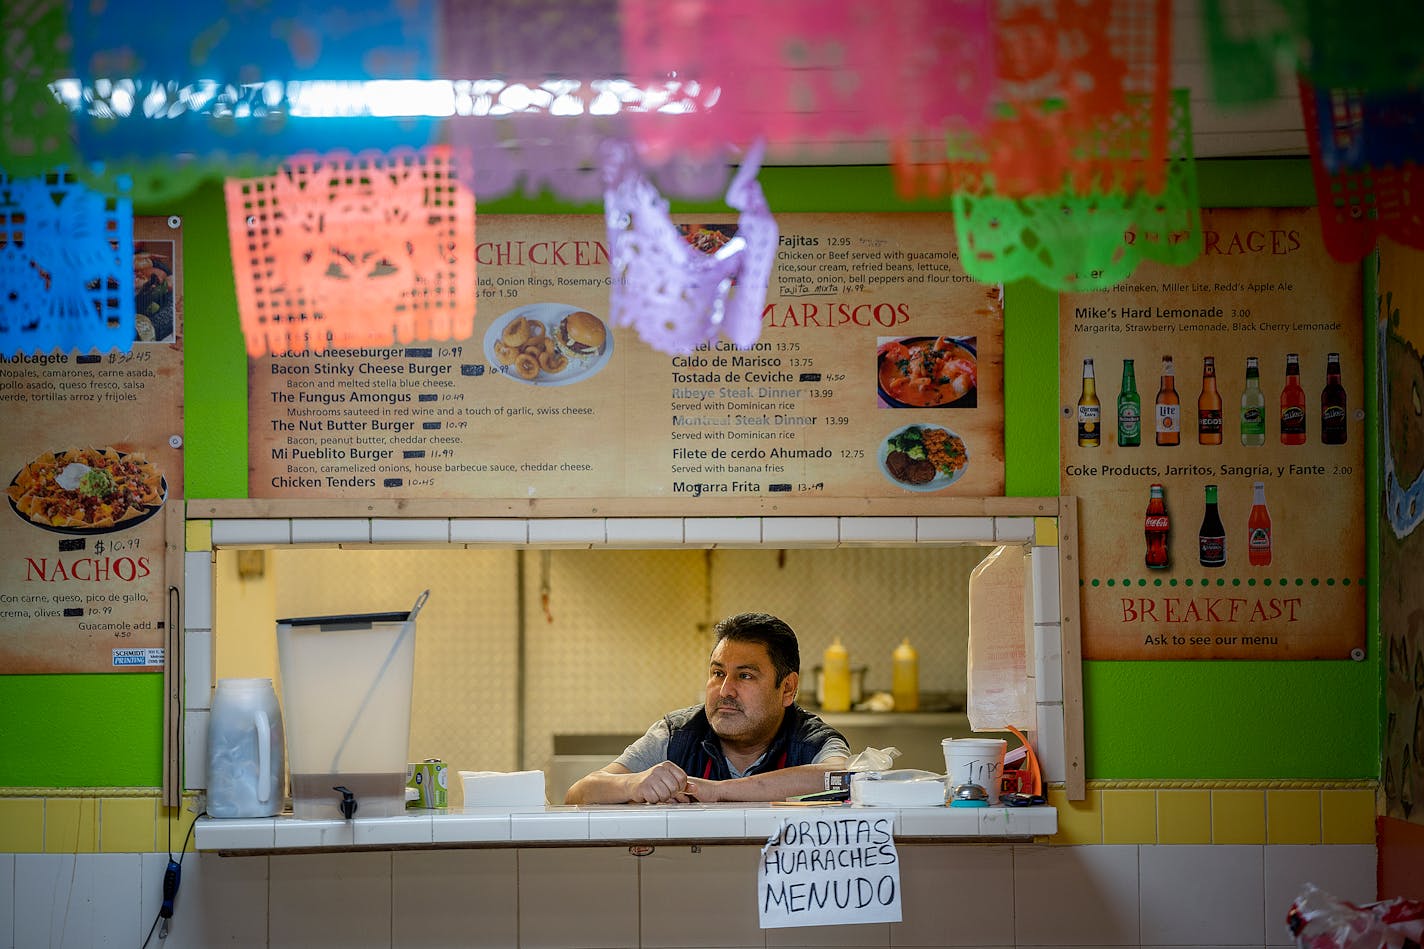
[928, 372]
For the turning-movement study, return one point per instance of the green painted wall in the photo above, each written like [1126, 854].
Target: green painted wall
[1142, 719]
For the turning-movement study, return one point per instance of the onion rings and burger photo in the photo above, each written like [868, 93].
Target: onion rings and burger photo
[548, 344]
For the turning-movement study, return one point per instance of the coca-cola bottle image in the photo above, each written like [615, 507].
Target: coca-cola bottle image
[1156, 526]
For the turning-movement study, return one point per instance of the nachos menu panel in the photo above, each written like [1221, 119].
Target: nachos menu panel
[99, 458]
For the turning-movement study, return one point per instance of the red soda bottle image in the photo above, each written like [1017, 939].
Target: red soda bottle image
[1156, 526]
[1258, 527]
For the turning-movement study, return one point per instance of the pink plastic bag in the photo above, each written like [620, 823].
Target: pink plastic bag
[1321, 921]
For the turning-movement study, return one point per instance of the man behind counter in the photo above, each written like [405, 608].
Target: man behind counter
[748, 741]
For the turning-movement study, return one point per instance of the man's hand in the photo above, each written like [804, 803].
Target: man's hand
[661, 784]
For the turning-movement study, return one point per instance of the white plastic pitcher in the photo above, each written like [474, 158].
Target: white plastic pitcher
[245, 750]
[346, 691]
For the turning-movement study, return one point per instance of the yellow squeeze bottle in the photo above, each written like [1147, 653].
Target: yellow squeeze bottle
[835, 669]
[905, 678]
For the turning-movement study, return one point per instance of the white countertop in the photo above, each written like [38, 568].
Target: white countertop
[599, 825]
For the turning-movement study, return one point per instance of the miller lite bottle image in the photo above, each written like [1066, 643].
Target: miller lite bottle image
[1169, 407]
[1156, 526]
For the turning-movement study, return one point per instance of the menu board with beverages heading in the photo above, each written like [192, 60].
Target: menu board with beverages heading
[878, 373]
[91, 470]
[1213, 431]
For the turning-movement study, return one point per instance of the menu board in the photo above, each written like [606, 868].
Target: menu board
[95, 462]
[878, 373]
[1213, 431]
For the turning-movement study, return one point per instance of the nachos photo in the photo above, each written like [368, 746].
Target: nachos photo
[87, 489]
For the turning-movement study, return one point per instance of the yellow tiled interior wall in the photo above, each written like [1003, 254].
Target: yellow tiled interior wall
[122, 822]
[1216, 813]
[1189, 813]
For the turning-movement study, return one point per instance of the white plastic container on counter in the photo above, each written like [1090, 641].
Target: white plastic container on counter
[245, 750]
[346, 688]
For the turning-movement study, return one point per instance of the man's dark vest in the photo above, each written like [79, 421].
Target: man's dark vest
[694, 747]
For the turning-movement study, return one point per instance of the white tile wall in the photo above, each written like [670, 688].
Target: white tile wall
[198, 589]
[1023, 895]
[644, 531]
[7, 901]
[1345, 871]
[568, 531]
[724, 911]
[966, 529]
[252, 531]
[877, 530]
[197, 668]
[1008, 530]
[722, 530]
[800, 530]
[456, 898]
[415, 530]
[1076, 896]
[68, 900]
[221, 901]
[955, 897]
[330, 899]
[1196, 895]
[492, 530]
[331, 530]
[1048, 741]
[578, 898]
[195, 749]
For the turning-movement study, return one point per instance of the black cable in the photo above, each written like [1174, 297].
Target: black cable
[171, 878]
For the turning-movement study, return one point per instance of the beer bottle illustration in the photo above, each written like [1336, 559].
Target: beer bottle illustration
[1169, 407]
[1332, 404]
[1211, 539]
[1209, 406]
[1156, 526]
[1258, 528]
[1129, 409]
[1090, 410]
[1292, 404]
[1253, 406]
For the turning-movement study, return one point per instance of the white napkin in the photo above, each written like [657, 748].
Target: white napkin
[503, 788]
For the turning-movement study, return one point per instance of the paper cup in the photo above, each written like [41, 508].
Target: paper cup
[974, 761]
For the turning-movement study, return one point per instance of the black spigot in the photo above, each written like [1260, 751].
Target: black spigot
[348, 801]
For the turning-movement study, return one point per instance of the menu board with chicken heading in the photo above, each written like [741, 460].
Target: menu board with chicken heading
[878, 373]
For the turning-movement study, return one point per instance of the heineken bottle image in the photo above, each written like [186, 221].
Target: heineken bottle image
[1129, 409]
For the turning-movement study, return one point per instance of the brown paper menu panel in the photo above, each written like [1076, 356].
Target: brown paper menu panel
[91, 465]
[878, 373]
[1248, 371]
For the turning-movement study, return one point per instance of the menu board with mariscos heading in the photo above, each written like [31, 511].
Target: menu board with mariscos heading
[1213, 431]
[878, 373]
[93, 460]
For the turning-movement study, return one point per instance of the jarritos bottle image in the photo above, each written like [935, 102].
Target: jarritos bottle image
[1211, 539]
[1090, 410]
[1169, 407]
[1332, 404]
[1129, 409]
[1156, 526]
[1292, 404]
[1258, 528]
[1209, 406]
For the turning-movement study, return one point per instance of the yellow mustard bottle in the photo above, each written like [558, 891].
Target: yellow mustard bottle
[905, 678]
[835, 673]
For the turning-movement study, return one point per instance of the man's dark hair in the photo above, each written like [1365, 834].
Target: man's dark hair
[778, 638]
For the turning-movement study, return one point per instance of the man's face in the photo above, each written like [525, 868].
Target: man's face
[744, 701]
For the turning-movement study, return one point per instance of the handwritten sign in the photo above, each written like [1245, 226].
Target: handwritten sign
[830, 870]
